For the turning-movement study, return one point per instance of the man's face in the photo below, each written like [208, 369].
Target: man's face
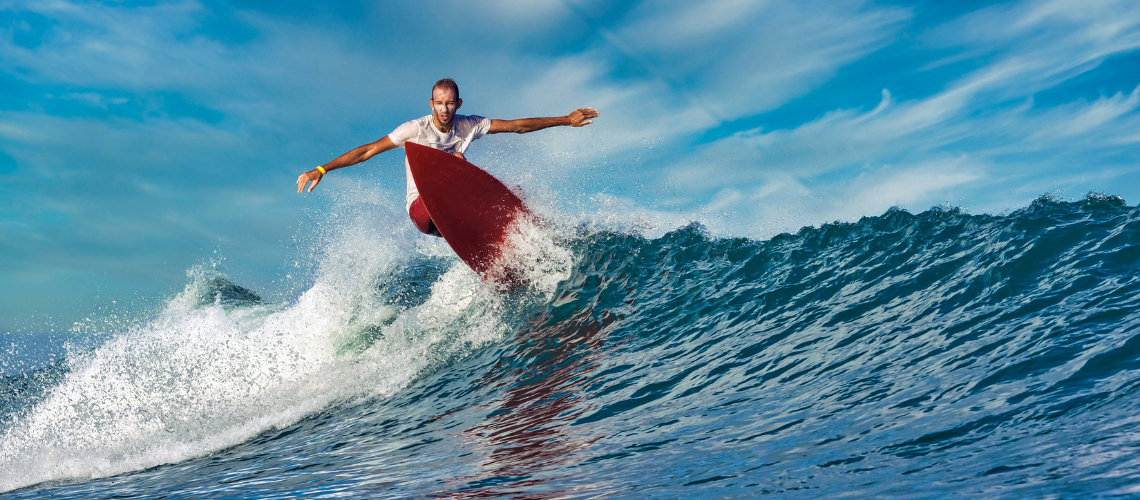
[443, 106]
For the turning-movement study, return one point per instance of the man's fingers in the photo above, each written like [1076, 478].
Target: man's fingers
[584, 115]
[304, 180]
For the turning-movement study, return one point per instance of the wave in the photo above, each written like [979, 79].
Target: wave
[905, 354]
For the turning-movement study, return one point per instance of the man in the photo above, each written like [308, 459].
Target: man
[442, 130]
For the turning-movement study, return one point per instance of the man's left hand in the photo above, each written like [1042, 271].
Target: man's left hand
[582, 116]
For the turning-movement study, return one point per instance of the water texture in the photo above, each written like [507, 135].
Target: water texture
[902, 356]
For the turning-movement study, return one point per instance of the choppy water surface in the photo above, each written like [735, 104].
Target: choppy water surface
[904, 355]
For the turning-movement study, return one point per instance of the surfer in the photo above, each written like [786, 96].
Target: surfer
[443, 130]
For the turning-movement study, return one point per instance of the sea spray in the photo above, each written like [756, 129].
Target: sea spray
[534, 257]
[219, 365]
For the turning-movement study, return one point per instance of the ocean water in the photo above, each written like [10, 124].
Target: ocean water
[929, 355]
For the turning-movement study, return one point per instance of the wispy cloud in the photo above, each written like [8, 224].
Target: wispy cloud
[739, 58]
[986, 118]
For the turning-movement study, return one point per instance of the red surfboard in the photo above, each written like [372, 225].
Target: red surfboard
[470, 208]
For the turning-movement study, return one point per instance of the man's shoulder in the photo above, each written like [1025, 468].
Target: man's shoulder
[415, 124]
[471, 121]
[409, 130]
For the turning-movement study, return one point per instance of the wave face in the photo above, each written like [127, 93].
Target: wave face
[904, 355]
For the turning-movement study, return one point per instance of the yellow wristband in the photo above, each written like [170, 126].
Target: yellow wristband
[322, 170]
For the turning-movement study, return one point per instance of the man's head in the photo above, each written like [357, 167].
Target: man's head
[444, 102]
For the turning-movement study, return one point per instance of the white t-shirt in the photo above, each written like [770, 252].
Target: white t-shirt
[464, 129]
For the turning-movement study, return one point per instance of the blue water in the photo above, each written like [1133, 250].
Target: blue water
[905, 356]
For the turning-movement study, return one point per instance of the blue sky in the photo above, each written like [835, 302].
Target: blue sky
[137, 137]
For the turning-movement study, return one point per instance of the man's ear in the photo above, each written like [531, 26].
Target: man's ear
[458, 103]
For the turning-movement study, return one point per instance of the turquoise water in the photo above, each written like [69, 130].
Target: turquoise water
[910, 356]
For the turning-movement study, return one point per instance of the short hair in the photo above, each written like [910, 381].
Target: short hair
[446, 83]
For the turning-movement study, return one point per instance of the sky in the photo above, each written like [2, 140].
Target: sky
[141, 139]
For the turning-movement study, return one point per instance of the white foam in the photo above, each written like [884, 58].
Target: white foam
[532, 250]
[197, 379]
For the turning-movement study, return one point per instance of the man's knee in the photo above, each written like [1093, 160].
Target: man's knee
[422, 220]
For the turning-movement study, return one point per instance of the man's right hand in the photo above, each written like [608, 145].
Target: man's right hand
[313, 176]
[357, 155]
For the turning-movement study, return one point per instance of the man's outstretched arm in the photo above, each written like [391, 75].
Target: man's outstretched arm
[580, 117]
[358, 155]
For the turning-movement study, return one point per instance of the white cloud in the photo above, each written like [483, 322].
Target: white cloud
[860, 163]
[738, 58]
[132, 48]
[1082, 117]
[914, 185]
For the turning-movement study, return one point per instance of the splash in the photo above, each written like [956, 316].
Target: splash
[534, 252]
[219, 365]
